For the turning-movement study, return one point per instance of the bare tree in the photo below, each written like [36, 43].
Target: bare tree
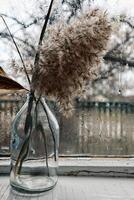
[118, 59]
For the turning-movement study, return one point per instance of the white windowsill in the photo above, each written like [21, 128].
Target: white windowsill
[121, 167]
[76, 188]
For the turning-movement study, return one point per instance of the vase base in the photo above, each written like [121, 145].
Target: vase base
[33, 185]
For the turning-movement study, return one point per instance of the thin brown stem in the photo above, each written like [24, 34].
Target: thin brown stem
[27, 130]
[37, 56]
[53, 135]
[40, 127]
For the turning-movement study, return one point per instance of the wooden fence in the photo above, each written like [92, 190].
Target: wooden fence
[8, 110]
[95, 129]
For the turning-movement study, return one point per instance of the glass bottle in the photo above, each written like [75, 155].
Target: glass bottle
[34, 147]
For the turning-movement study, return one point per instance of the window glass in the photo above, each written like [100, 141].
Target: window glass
[102, 123]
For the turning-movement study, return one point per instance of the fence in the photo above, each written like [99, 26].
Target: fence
[96, 128]
[8, 110]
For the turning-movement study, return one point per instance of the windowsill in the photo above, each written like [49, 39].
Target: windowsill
[121, 167]
[76, 188]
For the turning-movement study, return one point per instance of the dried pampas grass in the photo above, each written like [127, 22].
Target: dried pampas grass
[71, 54]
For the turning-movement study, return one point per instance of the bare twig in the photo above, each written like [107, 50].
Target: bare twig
[122, 61]
[16, 48]
[127, 22]
[118, 45]
[7, 36]
[35, 21]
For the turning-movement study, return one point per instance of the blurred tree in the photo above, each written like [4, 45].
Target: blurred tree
[119, 59]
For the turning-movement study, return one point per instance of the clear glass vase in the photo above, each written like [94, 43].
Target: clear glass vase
[34, 147]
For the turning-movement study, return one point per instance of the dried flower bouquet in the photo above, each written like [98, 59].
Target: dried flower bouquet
[66, 58]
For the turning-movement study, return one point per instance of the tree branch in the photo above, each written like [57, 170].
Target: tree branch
[122, 61]
[7, 36]
[127, 22]
[22, 24]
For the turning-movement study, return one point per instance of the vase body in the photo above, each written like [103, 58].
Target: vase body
[34, 148]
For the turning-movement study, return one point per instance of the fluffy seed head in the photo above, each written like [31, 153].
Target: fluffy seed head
[71, 55]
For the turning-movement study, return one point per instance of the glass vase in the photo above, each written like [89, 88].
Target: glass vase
[34, 147]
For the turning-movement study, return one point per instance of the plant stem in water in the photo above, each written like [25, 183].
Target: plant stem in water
[40, 127]
[49, 123]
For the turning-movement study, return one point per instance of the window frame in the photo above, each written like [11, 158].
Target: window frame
[86, 166]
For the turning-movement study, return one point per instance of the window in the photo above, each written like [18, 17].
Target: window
[99, 137]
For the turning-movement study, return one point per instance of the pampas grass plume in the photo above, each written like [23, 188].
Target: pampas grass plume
[70, 55]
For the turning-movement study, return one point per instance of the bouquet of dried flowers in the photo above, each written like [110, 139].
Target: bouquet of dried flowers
[66, 58]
